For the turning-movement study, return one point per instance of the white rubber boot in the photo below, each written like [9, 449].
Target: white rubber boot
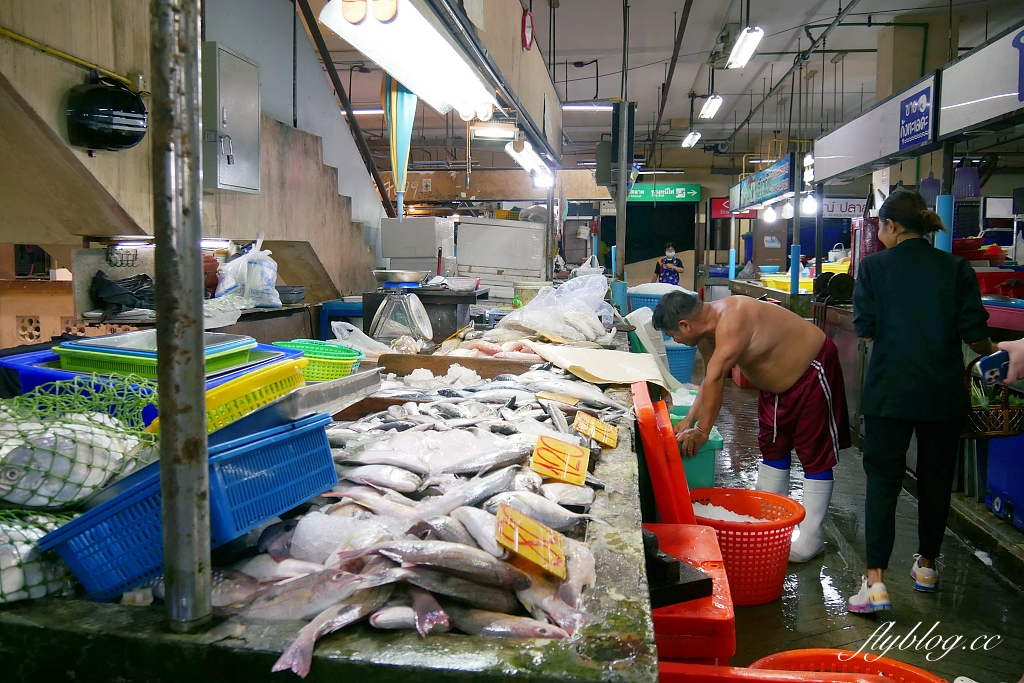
[772, 479]
[817, 494]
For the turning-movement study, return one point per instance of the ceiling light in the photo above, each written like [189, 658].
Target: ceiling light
[494, 131]
[543, 179]
[809, 206]
[368, 112]
[769, 215]
[523, 153]
[691, 139]
[587, 106]
[745, 47]
[808, 160]
[711, 107]
[787, 210]
[215, 244]
[417, 52]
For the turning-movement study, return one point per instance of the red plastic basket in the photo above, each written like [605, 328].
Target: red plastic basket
[685, 672]
[826, 659]
[755, 553]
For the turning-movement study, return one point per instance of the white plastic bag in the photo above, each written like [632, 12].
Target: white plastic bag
[256, 275]
[581, 299]
[347, 334]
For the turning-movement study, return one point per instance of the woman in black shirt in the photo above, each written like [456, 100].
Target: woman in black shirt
[916, 303]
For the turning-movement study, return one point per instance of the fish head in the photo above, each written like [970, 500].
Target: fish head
[539, 629]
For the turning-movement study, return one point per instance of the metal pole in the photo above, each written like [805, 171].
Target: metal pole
[178, 228]
[819, 227]
[549, 238]
[622, 192]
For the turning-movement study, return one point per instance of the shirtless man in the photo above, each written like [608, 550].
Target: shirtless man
[802, 402]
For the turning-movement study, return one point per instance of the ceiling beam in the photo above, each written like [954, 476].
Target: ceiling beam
[668, 79]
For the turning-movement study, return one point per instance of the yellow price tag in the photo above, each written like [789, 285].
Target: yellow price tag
[560, 460]
[531, 540]
[558, 398]
[588, 425]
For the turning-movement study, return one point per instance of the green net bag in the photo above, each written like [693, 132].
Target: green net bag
[65, 441]
[25, 571]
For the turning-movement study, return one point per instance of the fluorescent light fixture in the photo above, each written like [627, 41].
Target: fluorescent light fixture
[367, 112]
[417, 51]
[809, 174]
[215, 244]
[494, 131]
[808, 160]
[787, 210]
[769, 215]
[691, 139]
[809, 206]
[744, 48]
[762, 161]
[661, 171]
[710, 107]
[130, 245]
[523, 153]
[587, 106]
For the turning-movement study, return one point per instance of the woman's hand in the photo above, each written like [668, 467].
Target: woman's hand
[1016, 351]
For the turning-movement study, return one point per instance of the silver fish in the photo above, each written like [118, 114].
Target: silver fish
[492, 624]
[471, 563]
[527, 480]
[549, 514]
[299, 655]
[397, 412]
[405, 461]
[557, 417]
[585, 392]
[568, 494]
[467, 592]
[231, 588]
[482, 526]
[25, 571]
[384, 476]
[276, 539]
[490, 461]
[307, 596]
[445, 529]
[264, 568]
[400, 617]
[57, 466]
[580, 572]
[503, 396]
[540, 600]
[482, 488]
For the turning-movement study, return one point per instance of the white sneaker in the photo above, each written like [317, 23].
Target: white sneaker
[925, 579]
[811, 541]
[873, 598]
[772, 479]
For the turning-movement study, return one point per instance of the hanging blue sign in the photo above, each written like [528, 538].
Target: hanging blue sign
[916, 118]
[764, 185]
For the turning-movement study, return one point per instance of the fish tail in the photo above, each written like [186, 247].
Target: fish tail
[298, 657]
[597, 519]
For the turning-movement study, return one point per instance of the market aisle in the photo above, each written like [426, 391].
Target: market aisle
[972, 600]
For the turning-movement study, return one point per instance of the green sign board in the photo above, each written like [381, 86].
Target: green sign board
[669, 192]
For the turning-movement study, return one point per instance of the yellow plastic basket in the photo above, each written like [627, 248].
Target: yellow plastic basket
[234, 400]
[835, 267]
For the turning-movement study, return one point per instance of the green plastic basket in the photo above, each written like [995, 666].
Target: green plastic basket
[121, 364]
[326, 361]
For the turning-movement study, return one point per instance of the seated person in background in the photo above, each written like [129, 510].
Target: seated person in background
[667, 269]
[802, 403]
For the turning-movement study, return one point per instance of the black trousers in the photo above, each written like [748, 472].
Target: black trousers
[885, 450]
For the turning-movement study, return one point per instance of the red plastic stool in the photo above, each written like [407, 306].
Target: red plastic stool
[702, 629]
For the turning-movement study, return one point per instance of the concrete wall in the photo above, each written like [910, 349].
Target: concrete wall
[262, 31]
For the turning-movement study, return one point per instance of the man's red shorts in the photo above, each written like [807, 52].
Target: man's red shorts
[810, 416]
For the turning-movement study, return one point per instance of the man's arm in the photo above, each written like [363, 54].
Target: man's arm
[727, 354]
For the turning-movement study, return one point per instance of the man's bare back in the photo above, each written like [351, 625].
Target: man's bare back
[778, 345]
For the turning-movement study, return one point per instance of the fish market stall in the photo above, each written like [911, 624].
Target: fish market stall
[402, 543]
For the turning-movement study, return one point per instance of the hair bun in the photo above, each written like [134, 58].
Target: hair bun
[930, 222]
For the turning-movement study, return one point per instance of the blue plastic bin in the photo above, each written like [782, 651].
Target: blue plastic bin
[33, 371]
[338, 309]
[643, 301]
[1005, 495]
[680, 360]
[118, 545]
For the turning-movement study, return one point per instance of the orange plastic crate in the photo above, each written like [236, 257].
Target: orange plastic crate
[828, 660]
[677, 672]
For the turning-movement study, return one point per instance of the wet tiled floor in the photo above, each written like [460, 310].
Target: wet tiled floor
[972, 601]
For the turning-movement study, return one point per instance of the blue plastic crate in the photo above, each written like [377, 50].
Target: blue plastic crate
[33, 371]
[1005, 496]
[119, 544]
[680, 360]
[643, 301]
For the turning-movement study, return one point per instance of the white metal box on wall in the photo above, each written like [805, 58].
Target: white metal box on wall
[417, 237]
[231, 120]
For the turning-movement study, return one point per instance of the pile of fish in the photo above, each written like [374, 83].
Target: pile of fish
[407, 540]
[25, 572]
